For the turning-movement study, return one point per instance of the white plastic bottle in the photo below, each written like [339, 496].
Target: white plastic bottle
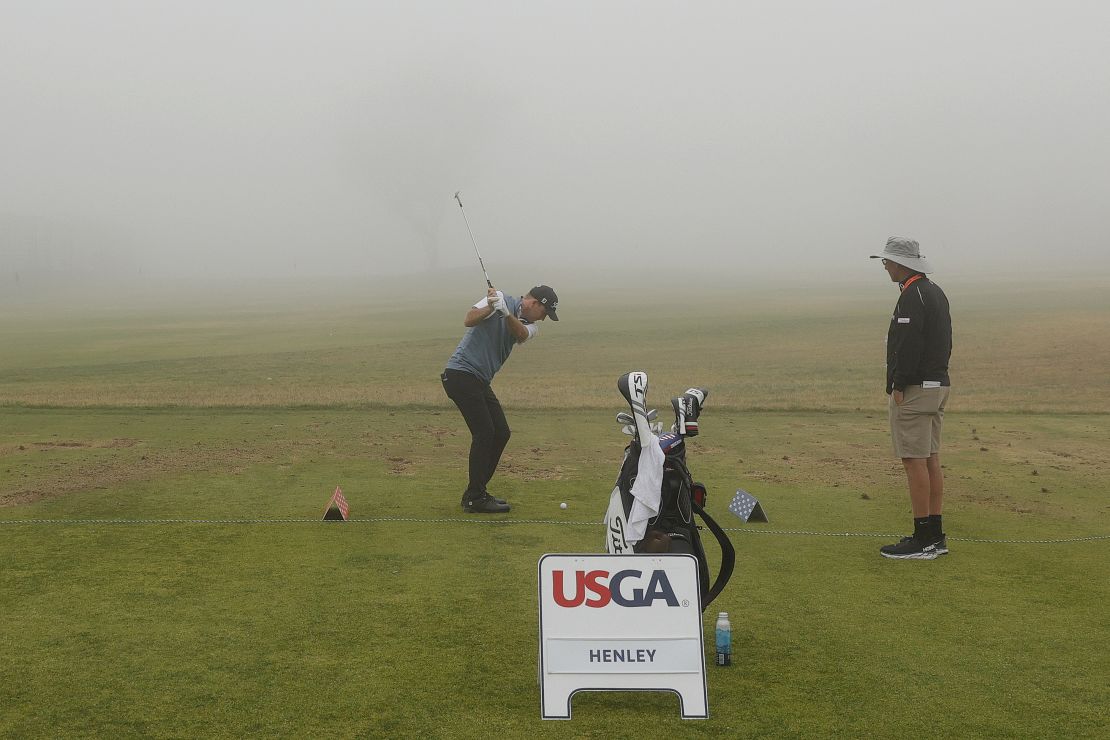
[724, 639]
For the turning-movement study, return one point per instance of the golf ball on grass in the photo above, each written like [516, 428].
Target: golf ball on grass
[563, 505]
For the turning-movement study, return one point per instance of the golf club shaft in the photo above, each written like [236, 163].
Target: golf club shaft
[472, 239]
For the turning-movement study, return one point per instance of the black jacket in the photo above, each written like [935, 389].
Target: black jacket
[919, 341]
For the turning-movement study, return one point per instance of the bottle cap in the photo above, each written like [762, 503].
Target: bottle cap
[722, 615]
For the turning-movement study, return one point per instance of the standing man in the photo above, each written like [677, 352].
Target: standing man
[918, 347]
[495, 325]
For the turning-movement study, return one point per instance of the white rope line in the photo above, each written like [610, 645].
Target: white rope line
[416, 520]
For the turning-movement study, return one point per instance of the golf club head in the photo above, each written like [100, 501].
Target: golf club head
[630, 429]
[623, 417]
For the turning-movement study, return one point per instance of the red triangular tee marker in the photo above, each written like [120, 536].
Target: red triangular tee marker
[337, 507]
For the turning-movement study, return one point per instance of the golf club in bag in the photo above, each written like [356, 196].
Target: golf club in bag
[655, 499]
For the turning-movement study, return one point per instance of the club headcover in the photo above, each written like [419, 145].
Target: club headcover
[687, 409]
[633, 386]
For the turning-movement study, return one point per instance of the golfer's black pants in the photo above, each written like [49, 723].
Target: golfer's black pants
[489, 430]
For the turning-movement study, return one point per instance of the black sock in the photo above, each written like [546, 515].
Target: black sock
[921, 529]
[935, 528]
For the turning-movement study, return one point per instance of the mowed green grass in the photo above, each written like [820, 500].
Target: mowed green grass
[423, 622]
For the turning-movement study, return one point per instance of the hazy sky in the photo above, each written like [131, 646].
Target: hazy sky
[327, 138]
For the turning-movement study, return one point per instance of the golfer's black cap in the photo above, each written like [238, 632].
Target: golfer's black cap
[546, 296]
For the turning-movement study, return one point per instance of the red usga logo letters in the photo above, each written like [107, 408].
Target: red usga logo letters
[622, 588]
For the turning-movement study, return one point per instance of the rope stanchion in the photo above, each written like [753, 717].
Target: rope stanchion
[505, 522]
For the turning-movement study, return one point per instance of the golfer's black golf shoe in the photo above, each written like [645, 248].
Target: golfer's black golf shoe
[941, 545]
[910, 548]
[485, 504]
[466, 497]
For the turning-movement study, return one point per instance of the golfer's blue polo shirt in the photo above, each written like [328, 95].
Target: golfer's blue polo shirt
[485, 347]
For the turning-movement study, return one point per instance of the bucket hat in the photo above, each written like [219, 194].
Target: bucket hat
[905, 252]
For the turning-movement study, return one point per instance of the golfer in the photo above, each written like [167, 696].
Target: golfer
[918, 347]
[494, 325]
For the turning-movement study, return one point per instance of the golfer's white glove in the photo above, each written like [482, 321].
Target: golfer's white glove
[499, 305]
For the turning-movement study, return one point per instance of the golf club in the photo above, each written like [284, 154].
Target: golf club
[623, 417]
[472, 239]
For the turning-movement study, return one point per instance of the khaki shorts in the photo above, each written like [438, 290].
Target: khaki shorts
[915, 425]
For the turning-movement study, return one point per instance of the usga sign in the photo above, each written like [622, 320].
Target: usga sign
[620, 623]
[617, 590]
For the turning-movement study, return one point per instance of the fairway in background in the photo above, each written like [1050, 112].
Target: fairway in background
[1041, 347]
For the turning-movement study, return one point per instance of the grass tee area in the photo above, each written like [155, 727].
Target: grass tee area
[163, 470]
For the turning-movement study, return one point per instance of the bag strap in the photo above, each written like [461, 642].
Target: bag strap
[728, 554]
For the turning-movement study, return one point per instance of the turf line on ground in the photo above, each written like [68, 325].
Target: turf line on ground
[374, 520]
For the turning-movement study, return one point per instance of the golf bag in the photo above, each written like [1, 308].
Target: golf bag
[655, 499]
